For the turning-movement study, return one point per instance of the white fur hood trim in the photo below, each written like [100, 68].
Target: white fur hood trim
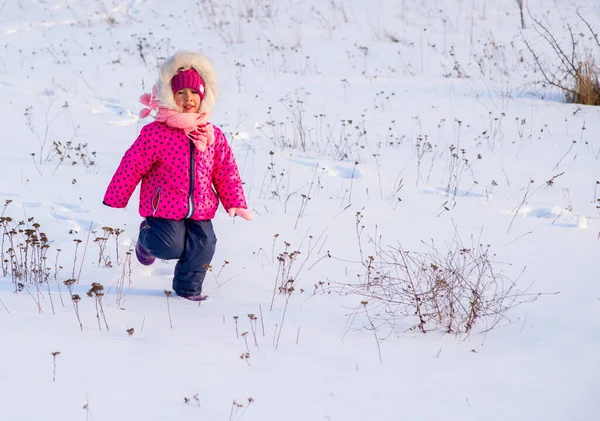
[187, 60]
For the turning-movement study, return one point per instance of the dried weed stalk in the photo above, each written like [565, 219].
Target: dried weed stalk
[452, 290]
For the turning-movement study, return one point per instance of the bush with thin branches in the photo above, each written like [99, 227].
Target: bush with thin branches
[571, 65]
[451, 291]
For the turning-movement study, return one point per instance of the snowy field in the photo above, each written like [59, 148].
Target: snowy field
[382, 143]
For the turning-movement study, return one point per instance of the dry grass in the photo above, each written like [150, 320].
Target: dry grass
[571, 66]
[587, 84]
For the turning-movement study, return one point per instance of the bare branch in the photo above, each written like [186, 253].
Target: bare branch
[595, 35]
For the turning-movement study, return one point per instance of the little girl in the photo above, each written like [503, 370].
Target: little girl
[186, 166]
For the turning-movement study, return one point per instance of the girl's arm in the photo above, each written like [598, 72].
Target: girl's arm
[226, 176]
[136, 162]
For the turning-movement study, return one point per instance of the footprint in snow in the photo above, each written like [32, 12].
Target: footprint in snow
[444, 191]
[555, 216]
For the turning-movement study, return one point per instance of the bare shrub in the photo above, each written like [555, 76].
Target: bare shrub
[451, 291]
[571, 66]
[23, 251]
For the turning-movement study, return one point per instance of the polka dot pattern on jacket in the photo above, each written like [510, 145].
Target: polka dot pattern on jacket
[161, 158]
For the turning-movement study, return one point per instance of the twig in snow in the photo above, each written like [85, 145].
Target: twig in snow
[169, 294]
[5, 308]
[84, 251]
[262, 323]
[54, 354]
[364, 303]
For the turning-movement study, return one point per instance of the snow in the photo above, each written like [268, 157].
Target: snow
[354, 105]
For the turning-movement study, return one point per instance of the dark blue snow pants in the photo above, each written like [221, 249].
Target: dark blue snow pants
[191, 242]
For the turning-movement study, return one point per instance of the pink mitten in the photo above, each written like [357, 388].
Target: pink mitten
[244, 213]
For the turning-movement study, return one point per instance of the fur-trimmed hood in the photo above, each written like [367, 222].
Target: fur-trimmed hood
[184, 60]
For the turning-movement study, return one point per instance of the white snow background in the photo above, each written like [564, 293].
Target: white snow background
[344, 116]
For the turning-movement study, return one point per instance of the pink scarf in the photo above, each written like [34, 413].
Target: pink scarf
[195, 125]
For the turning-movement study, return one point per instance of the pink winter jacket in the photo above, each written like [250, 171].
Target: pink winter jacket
[162, 157]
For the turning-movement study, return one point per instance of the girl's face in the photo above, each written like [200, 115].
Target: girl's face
[188, 100]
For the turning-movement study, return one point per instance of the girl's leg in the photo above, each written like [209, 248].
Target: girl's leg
[163, 238]
[190, 270]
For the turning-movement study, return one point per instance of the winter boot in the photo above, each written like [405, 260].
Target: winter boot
[199, 297]
[142, 255]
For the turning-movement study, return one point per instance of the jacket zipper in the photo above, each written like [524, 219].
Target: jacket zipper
[155, 201]
[192, 181]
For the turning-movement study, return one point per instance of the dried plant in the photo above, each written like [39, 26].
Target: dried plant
[520, 3]
[225, 263]
[452, 290]
[57, 269]
[72, 153]
[237, 335]
[245, 337]
[3, 305]
[97, 293]
[77, 242]
[54, 354]
[286, 260]
[306, 198]
[245, 357]
[194, 398]
[24, 251]
[287, 290]
[125, 274]
[253, 322]
[87, 241]
[75, 298]
[372, 328]
[169, 294]
[262, 323]
[237, 409]
[102, 242]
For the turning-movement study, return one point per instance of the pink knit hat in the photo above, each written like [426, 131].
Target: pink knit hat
[188, 79]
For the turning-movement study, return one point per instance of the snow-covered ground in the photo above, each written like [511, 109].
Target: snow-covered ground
[360, 128]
